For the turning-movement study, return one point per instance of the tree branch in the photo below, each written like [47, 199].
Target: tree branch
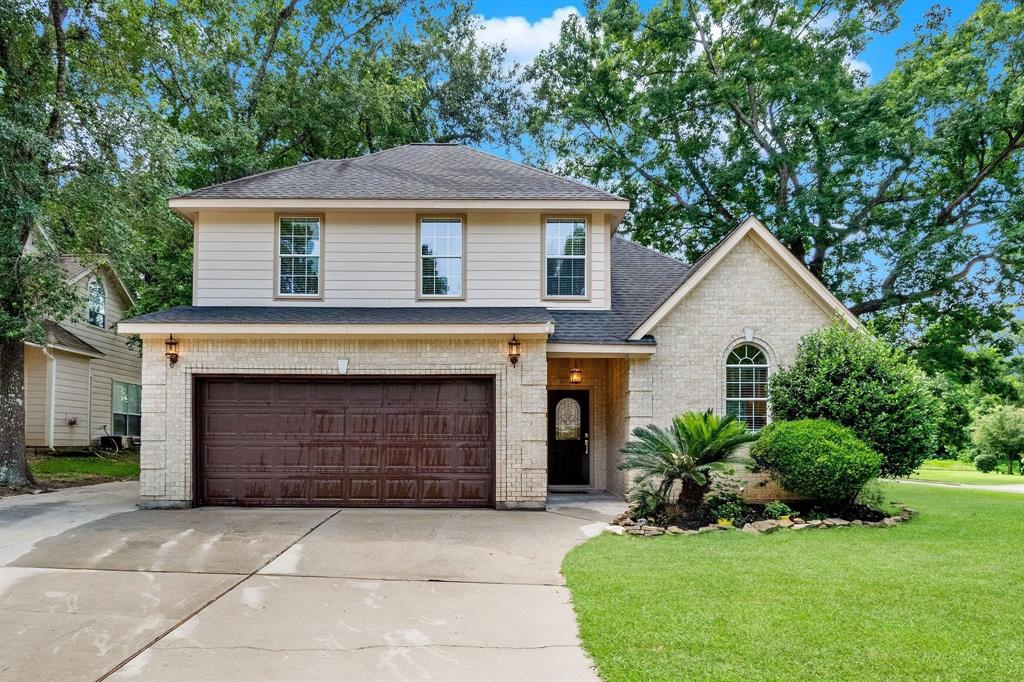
[261, 71]
[58, 13]
[890, 299]
[1014, 144]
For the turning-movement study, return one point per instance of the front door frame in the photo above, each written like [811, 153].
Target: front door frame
[589, 430]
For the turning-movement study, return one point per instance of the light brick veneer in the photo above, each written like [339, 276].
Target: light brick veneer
[520, 398]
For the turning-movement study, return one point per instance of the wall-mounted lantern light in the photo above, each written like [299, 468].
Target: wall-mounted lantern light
[513, 350]
[171, 350]
[575, 375]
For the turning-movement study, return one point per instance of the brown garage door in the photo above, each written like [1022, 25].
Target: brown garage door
[408, 442]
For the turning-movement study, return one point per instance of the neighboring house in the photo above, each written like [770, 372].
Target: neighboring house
[85, 381]
[434, 326]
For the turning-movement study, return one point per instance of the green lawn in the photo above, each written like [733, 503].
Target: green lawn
[75, 470]
[952, 471]
[936, 598]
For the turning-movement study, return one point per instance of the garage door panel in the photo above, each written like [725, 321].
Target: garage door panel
[345, 442]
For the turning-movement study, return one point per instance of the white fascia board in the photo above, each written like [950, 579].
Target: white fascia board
[541, 330]
[598, 350]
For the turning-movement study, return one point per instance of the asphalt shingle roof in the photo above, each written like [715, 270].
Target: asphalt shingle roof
[642, 280]
[324, 315]
[412, 171]
[56, 335]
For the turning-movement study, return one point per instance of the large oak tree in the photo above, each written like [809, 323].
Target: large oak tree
[906, 196]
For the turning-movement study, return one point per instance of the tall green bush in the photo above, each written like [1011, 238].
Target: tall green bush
[816, 458]
[859, 381]
[1001, 433]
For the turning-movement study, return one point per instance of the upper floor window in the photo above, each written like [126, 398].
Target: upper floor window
[97, 303]
[441, 257]
[565, 258]
[746, 386]
[299, 251]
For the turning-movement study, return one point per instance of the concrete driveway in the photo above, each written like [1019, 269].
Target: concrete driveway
[92, 588]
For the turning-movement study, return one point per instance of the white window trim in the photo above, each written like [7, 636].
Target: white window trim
[461, 296]
[113, 393]
[545, 258]
[767, 367]
[278, 256]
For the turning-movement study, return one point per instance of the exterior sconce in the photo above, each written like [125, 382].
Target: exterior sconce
[513, 350]
[575, 375]
[172, 350]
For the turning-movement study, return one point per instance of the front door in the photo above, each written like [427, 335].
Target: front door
[568, 438]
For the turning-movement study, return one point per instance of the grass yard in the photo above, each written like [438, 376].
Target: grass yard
[59, 472]
[936, 598]
[953, 471]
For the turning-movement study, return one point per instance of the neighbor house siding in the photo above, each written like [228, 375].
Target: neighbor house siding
[120, 360]
[370, 259]
[35, 397]
[520, 397]
[71, 400]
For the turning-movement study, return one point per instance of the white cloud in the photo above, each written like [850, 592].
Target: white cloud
[524, 39]
[854, 64]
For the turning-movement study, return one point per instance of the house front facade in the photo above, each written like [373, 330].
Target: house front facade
[432, 326]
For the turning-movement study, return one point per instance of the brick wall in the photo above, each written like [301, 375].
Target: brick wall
[520, 397]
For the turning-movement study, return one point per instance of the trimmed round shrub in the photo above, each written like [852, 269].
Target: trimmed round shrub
[856, 380]
[986, 462]
[816, 458]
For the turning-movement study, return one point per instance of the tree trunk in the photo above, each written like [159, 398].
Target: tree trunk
[13, 466]
[691, 496]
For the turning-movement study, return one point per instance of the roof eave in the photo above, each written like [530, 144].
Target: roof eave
[419, 330]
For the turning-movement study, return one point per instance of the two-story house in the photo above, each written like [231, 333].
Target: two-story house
[434, 326]
[84, 382]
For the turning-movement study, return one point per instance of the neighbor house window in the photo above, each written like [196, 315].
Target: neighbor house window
[127, 409]
[565, 257]
[441, 257]
[746, 386]
[97, 303]
[299, 257]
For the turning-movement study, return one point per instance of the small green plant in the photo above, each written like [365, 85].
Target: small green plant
[644, 501]
[872, 495]
[776, 509]
[987, 462]
[687, 454]
[817, 459]
[725, 503]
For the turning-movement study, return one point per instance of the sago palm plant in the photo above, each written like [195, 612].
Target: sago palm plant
[687, 453]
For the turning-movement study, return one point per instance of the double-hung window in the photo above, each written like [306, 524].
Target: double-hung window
[298, 252]
[441, 257]
[565, 258]
[127, 409]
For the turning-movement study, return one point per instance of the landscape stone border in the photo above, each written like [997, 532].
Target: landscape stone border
[623, 525]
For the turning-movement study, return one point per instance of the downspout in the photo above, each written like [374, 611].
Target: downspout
[51, 394]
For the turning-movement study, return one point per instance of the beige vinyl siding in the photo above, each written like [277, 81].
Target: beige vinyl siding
[370, 259]
[119, 362]
[35, 397]
[71, 400]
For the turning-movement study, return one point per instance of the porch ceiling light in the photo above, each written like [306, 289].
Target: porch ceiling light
[513, 350]
[171, 352]
[575, 375]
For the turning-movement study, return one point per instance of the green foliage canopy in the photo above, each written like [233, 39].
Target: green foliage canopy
[905, 194]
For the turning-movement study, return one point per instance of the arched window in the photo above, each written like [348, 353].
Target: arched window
[746, 385]
[97, 303]
[567, 420]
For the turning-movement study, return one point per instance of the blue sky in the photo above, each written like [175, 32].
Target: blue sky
[527, 25]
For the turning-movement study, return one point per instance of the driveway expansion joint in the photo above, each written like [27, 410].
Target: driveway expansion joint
[216, 598]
